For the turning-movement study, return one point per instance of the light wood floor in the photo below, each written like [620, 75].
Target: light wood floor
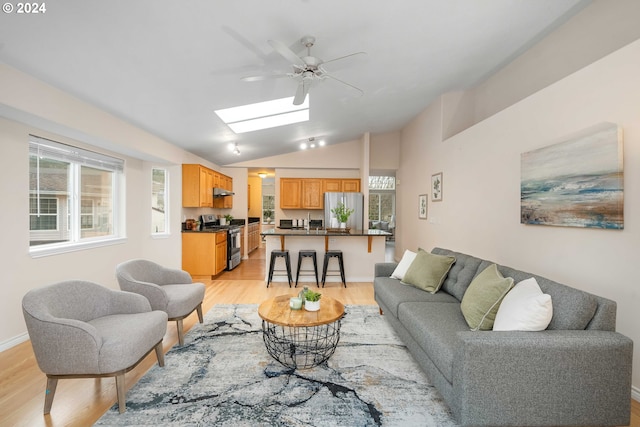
[81, 402]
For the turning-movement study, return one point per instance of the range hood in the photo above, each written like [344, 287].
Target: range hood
[221, 192]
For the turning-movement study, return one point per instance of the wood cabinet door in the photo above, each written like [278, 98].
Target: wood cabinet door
[206, 187]
[351, 185]
[331, 185]
[227, 202]
[221, 257]
[290, 193]
[198, 258]
[312, 195]
[191, 186]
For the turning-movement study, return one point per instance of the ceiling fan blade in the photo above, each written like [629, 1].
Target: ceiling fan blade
[286, 52]
[301, 92]
[344, 83]
[343, 57]
[263, 77]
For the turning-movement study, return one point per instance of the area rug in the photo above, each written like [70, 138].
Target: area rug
[223, 376]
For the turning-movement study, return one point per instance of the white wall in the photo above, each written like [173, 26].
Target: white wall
[480, 211]
[28, 106]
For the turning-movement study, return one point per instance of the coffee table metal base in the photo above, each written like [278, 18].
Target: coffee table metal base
[301, 347]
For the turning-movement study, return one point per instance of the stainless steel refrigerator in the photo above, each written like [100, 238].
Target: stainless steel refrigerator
[353, 201]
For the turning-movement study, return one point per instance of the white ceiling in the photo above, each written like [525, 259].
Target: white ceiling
[165, 66]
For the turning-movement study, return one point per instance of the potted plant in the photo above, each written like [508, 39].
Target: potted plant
[342, 214]
[312, 300]
[267, 214]
[228, 217]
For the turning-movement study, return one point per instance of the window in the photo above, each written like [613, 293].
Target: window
[382, 183]
[159, 191]
[381, 206]
[73, 197]
[268, 205]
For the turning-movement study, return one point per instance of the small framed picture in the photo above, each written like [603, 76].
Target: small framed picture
[436, 187]
[422, 206]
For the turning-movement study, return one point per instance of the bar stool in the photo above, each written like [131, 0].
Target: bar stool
[274, 256]
[327, 256]
[307, 253]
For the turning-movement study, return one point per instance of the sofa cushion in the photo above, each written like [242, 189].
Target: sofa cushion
[525, 308]
[461, 273]
[573, 309]
[428, 271]
[434, 327]
[482, 299]
[403, 265]
[391, 293]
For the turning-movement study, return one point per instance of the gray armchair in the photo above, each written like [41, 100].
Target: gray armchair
[169, 290]
[83, 330]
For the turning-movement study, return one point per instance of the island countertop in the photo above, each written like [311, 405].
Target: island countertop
[327, 234]
[323, 232]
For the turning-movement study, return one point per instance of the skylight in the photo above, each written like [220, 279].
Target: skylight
[264, 115]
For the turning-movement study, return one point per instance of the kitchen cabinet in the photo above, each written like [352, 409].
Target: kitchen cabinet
[221, 252]
[204, 254]
[341, 185]
[253, 230]
[290, 193]
[197, 186]
[312, 195]
[331, 185]
[308, 193]
[350, 185]
[225, 182]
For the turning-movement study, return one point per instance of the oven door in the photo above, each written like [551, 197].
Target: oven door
[234, 257]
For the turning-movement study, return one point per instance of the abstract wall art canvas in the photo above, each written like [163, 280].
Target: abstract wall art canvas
[575, 183]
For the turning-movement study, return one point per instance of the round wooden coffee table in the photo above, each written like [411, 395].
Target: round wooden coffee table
[300, 339]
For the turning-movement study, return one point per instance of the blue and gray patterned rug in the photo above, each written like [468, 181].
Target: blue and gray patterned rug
[223, 376]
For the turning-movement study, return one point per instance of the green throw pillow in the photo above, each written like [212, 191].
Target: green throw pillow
[483, 297]
[428, 271]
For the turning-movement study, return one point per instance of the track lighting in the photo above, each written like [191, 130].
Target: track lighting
[236, 151]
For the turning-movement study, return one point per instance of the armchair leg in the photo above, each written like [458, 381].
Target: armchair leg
[199, 310]
[160, 354]
[180, 332]
[52, 383]
[122, 406]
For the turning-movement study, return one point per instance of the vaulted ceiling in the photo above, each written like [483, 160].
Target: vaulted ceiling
[165, 66]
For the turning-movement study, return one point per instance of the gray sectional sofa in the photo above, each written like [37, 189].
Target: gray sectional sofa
[576, 372]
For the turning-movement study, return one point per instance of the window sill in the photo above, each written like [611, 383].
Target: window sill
[160, 235]
[39, 252]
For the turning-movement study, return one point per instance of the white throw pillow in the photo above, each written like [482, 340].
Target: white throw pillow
[524, 308]
[403, 265]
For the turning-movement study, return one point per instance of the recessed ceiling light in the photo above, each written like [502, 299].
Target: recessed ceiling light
[264, 115]
[303, 146]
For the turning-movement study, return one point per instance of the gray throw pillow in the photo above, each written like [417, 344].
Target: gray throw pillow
[428, 271]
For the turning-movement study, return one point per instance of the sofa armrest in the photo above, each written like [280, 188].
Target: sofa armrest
[557, 377]
[384, 269]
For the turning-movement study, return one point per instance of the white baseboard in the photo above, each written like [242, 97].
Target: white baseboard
[635, 393]
[6, 345]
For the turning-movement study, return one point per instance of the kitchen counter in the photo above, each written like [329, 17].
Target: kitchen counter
[322, 232]
[361, 249]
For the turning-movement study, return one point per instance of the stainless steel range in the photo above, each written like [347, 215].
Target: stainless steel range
[211, 223]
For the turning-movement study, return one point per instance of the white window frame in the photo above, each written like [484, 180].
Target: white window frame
[167, 230]
[78, 157]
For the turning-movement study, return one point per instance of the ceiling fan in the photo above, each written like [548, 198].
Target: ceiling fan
[306, 69]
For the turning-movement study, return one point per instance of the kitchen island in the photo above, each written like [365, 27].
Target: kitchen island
[361, 250]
